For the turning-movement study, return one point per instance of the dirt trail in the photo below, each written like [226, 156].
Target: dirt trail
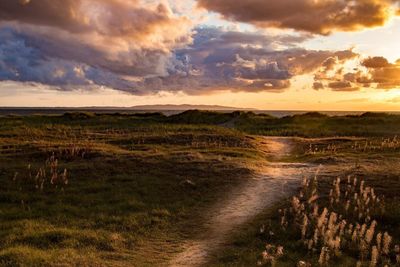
[273, 182]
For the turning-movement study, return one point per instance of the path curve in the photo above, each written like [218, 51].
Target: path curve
[274, 182]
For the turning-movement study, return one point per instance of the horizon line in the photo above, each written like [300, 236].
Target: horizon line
[226, 108]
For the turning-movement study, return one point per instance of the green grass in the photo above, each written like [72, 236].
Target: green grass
[138, 184]
[318, 125]
[127, 186]
[311, 124]
[378, 166]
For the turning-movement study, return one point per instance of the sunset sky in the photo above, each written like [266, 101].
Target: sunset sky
[265, 54]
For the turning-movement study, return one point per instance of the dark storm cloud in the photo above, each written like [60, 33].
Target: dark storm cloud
[321, 17]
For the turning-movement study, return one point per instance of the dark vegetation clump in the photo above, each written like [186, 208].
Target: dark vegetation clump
[78, 115]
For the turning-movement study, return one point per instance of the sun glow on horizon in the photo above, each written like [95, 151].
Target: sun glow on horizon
[292, 99]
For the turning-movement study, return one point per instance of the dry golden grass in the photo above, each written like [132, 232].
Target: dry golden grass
[348, 224]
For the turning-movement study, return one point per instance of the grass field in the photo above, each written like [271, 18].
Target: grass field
[373, 160]
[112, 190]
[311, 125]
[130, 179]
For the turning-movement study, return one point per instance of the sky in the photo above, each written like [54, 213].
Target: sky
[265, 54]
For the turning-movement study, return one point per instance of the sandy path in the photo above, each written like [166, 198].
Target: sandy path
[275, 181]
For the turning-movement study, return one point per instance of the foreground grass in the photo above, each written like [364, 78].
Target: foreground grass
[135, 187]
[377, 163]
[139, 184]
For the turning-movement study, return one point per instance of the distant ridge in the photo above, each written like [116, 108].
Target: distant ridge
[186, 107]
[140, 108]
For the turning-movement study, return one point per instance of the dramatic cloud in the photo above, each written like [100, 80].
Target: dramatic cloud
[216, 60]
[126, 36]
[72, 43]
[113, 18]
[315, 16]
[24, 63]
[142, 47]
[375, 72]
[384, 76]
[238, 61]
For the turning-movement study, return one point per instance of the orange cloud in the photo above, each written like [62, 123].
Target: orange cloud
[376, 72]
[141, 48]
[126, 24]
[315, 16]
[342, 86]
[376, 62]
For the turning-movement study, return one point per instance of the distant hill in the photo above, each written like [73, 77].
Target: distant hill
[165, 109]
[186, 107]
[183, 107]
